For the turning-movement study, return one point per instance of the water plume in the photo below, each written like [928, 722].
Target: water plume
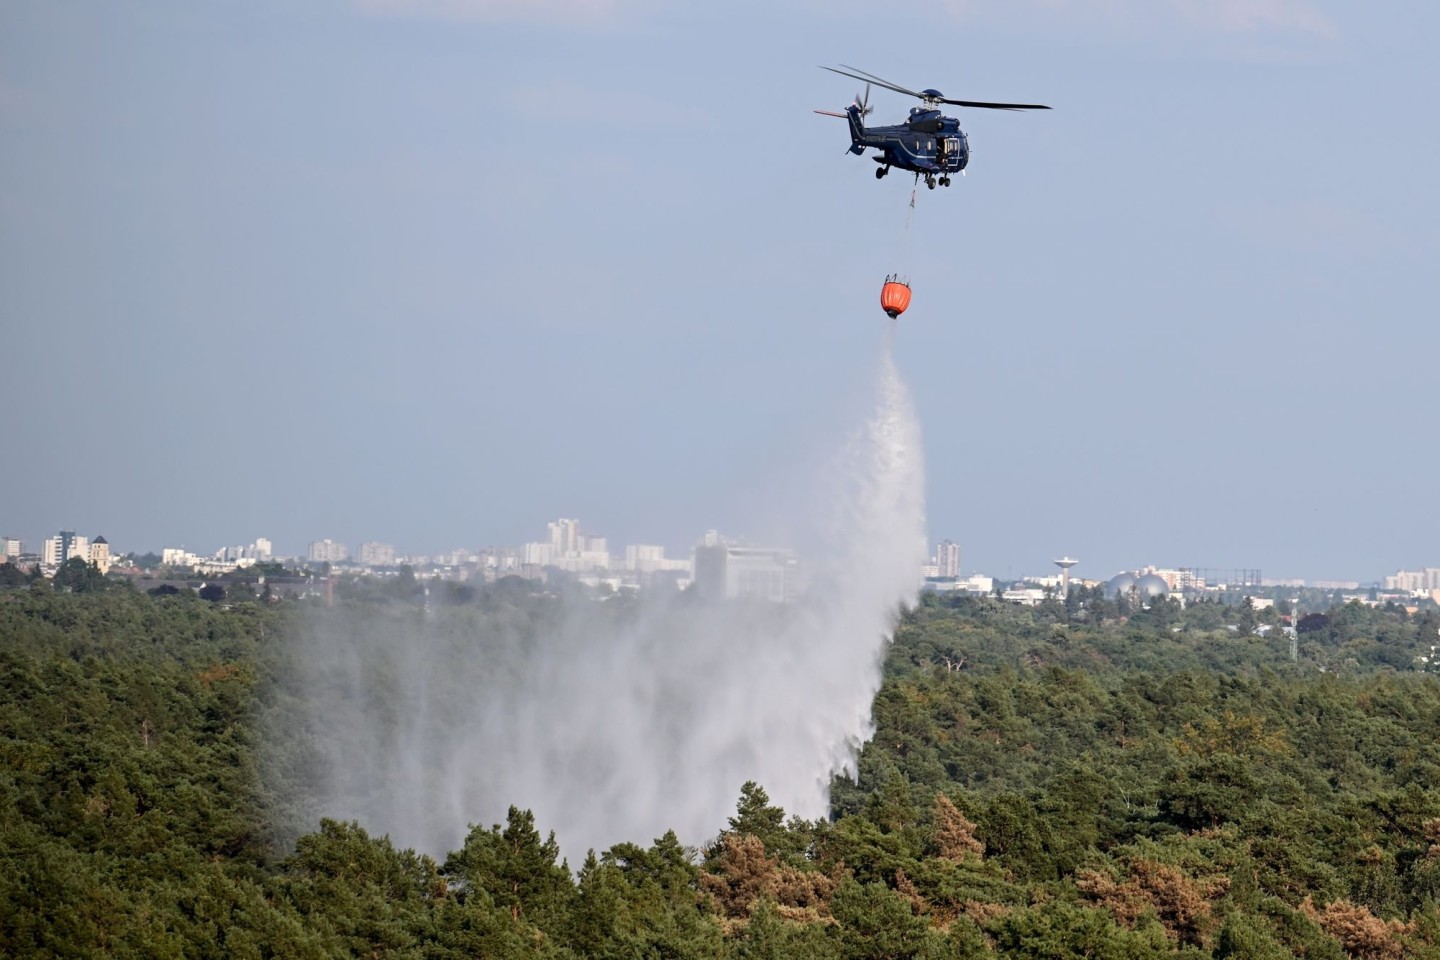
[616, 721]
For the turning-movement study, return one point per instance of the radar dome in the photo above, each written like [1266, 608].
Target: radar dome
[1151, 586]
[1119, 585]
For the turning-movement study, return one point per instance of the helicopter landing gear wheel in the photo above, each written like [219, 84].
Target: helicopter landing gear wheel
[880, 172]
[930, 182]
[944, 181]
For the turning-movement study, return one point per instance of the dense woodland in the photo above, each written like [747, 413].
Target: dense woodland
[1078, 779]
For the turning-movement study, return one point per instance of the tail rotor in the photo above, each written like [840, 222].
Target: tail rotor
[864, 103]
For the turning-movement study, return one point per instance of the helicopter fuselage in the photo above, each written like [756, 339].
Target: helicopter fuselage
[928, 144]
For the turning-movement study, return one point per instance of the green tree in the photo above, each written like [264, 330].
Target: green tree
[79, 576]
[642, 902]
[1247, 619]
[12, 575]
[876, 923]
[1057, 930]
[516, 870]
[1245, 937]
[369, 896]
[768, 936]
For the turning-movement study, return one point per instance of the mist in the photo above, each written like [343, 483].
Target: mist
[618, 720]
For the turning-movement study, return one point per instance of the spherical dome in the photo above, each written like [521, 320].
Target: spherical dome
[1151, 586]
[1119, 585]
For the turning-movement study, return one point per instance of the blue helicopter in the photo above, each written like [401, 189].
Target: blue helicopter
[928, 143]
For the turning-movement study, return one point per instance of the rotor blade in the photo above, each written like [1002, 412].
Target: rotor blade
[887, 85]
[996, 106]
[832, 113]
[867, 75]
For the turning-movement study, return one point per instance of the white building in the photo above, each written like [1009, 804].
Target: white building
[978, 584]
[568, 549]
[972, 584]
[327, 551]
[64, 545]
[647, 558]
[1414, 581]
[642, 553]
[375, 554]
[459, 557]
[11, 548]
[564, 538]
[731, 570]
[947, 559]
[178, 557]
[537, 554]
[234, 557]
[1027, 596]
[501, 561]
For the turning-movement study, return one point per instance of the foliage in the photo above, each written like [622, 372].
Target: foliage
[1080, 779]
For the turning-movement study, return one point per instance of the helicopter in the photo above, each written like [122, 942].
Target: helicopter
[928, 143]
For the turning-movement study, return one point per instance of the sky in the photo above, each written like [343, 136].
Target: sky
[435, 272]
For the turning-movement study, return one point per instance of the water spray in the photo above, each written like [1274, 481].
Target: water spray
[616, 723]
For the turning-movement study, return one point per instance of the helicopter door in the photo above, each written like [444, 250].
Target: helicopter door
[949, 151]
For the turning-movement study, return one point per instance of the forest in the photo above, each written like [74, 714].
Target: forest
[1077, 779]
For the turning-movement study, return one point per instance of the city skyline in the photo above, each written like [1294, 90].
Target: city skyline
[567, 539]
[422, 272]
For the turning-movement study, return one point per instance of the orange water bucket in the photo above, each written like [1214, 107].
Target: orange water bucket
[894, 296]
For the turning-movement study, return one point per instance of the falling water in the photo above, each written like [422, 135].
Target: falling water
[616, 722]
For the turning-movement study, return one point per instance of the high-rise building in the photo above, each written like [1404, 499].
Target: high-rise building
[565, 537]
[568, 549]
[538, 555]
[648, 558]
[1414, 581]
[947, 559]
[642, 553]
[11, 548]
[328, 551]
[263, 550]
[377, 554]
[62, 547]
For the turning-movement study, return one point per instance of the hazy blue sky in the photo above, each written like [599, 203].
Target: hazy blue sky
[433, 273]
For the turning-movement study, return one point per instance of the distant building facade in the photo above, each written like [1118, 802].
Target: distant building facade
[1414, 581]
[374, 554]
[568, 549]
[971, 584]
[564, 538]
[947, 559]
[648, 558]
[327, 551]
[61, 547]
[100, 554]
[242, 556]
[730, 570]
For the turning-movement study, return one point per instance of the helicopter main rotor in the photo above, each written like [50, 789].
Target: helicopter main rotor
[930, 97]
